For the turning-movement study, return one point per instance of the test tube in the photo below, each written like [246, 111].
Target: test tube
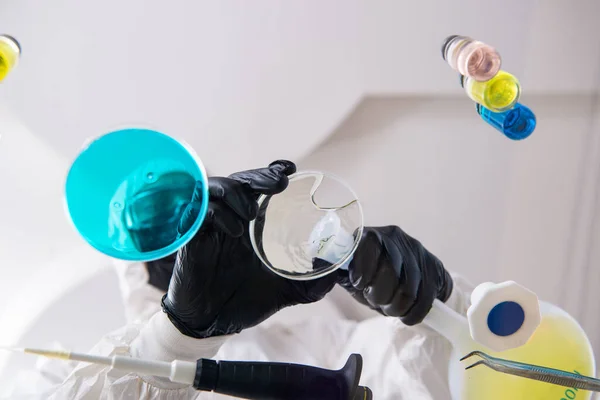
[10, 51]
[516, 124]
[471, 58]
[498, 94]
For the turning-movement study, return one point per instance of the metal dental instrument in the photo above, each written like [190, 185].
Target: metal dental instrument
[535, 372]
[241, 379]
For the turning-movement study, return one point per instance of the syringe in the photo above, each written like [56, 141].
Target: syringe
[242, 379]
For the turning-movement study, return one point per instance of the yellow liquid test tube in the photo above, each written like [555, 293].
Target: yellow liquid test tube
[498, 94]
[10, 51]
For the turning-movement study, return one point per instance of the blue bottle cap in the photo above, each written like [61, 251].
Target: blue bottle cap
[506, 318]
[127, 190]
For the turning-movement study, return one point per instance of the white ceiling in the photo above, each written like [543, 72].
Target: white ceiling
[246, 82]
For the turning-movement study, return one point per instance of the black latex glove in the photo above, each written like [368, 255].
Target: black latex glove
[160, 271]
[394, 274]
[219, 286]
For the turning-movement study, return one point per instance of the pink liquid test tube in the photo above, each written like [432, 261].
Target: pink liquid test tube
[471, 58]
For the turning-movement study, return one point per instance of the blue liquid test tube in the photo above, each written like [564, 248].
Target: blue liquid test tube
[516, 124]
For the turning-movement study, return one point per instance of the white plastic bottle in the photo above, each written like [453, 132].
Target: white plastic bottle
[556, 342]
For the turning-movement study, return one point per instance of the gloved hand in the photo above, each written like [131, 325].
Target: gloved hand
[160, 271]
[219, 286]
[394, 274]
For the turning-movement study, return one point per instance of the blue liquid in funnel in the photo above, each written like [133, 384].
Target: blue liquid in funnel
[127, 190]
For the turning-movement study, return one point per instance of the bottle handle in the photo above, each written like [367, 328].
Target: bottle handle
[442, 319]
[448, 323]
[502, 316]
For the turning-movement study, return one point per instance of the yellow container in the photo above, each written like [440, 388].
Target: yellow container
[10, 51]
[498, 94]
[559, 342]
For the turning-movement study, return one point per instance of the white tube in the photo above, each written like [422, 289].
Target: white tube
[448, 323]
[142, 367]
[177, 371]
[90, 358]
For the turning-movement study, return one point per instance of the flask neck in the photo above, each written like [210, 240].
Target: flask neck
[450, 324]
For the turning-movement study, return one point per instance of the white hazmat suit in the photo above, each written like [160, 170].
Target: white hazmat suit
[400, 362]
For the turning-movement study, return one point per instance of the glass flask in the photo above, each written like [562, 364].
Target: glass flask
[10, 51]
[127, 190]
[310, 229]
[517, 123]
[471, 58]
[498, 94]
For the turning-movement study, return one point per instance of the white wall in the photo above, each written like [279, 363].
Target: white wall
[74, 321]
[279, 72]
[584, 252]
[41, 256]
[490, 208]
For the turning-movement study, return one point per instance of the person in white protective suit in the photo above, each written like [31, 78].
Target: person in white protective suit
[222, 303]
